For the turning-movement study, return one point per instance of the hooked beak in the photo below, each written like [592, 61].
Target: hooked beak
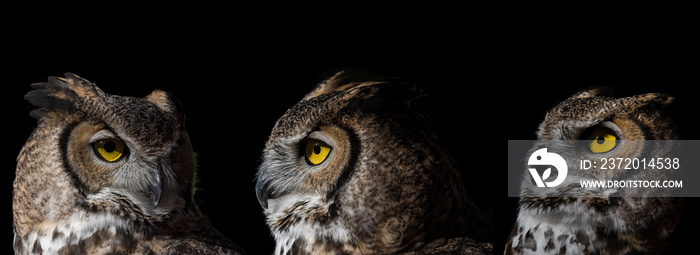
[261, 192]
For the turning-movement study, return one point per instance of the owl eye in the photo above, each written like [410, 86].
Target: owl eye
[602, 140]
[316, 151]
[110, 150]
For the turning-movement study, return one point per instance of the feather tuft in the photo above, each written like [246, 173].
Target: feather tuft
[60, 94]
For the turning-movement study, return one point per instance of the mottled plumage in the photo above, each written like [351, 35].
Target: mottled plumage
[107, 174]
[355, 168]
[599, 221]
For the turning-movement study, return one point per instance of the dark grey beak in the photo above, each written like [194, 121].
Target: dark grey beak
[261, 192]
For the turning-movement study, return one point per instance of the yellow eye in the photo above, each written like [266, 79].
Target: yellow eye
[316, 151]
[602, 140]
[109, 149]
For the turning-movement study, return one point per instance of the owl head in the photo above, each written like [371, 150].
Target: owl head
[95, 152]
[591, 125]
[356, 166]
[596, 127]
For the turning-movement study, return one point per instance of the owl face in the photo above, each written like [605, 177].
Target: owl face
[112, 153]
[104, 153]
[354, 167]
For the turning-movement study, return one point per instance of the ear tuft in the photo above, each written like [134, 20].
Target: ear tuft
[60, 94]
[658, 100]
[343, 79]
[595, 91]
[161, 99]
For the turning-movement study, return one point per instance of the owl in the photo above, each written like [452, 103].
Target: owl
[605, 220]
[355, 168]
[108, 174]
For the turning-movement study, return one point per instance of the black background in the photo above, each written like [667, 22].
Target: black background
[487, 83]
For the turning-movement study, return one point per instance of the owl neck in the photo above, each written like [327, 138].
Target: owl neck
[590, 224]
[304, 224]
[93, 228]
[81, 230]
[540, 233]
[309, 225]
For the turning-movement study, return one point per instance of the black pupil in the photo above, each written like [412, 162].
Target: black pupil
[600, 140]
[110, 146]
[317, 149]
